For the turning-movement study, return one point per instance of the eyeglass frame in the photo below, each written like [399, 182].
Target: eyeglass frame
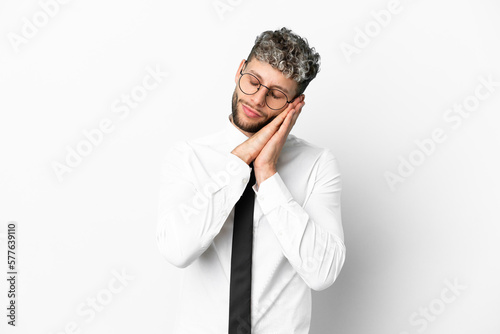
[260, 85]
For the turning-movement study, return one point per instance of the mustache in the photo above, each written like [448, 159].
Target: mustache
[240, 101]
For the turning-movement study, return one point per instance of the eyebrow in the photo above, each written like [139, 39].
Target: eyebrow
[277, 86]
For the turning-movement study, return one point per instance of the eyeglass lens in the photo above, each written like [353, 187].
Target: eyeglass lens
[249, 85]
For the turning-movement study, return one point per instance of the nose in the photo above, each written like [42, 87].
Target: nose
[259, 98]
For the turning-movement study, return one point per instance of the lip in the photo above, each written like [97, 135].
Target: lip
[250, 112]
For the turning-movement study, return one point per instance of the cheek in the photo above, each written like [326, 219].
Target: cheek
[272, 116]
[277, 112]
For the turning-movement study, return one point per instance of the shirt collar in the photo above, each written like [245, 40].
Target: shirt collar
[234, 136]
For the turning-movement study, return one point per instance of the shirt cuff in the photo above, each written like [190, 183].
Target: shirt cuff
[272, 193]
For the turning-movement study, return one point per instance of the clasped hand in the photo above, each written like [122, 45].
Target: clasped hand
[264, 147]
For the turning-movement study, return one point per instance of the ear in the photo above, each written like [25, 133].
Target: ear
[236, 78]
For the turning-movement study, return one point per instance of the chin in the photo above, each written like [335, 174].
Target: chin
[246, 123]
[242, 121]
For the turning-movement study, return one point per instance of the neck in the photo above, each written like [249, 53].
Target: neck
[248, 134]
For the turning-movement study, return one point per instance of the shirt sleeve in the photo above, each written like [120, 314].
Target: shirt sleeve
[311, 236]
[195, 199]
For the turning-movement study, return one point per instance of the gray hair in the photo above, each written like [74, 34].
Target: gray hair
[289, 53]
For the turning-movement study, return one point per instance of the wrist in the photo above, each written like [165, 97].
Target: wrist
[242, 155]
[263, 173]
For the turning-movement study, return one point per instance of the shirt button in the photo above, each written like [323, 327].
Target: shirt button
[245, 180]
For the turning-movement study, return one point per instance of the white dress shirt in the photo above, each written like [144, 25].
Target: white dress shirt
[298, 237]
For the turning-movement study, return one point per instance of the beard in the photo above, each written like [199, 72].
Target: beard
[240, 122]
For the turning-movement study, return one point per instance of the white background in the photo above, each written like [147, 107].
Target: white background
[441, 224]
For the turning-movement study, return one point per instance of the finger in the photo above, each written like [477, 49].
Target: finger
[295, 103]
[263, 135]
[288, 122]
[300, 106]
[292, 105]
[274, 126]
[294, 115]
[299, 109]
[300, 99]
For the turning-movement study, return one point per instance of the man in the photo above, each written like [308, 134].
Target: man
[296, 241]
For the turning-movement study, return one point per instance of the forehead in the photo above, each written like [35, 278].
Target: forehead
[270, 76]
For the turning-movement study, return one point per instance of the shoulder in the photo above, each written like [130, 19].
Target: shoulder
[182, 153]
[207, 140]
[210, 139]
[307, 150]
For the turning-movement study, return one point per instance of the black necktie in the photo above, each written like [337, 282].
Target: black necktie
[241, 262]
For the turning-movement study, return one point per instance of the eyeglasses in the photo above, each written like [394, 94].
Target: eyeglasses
[249, 84]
